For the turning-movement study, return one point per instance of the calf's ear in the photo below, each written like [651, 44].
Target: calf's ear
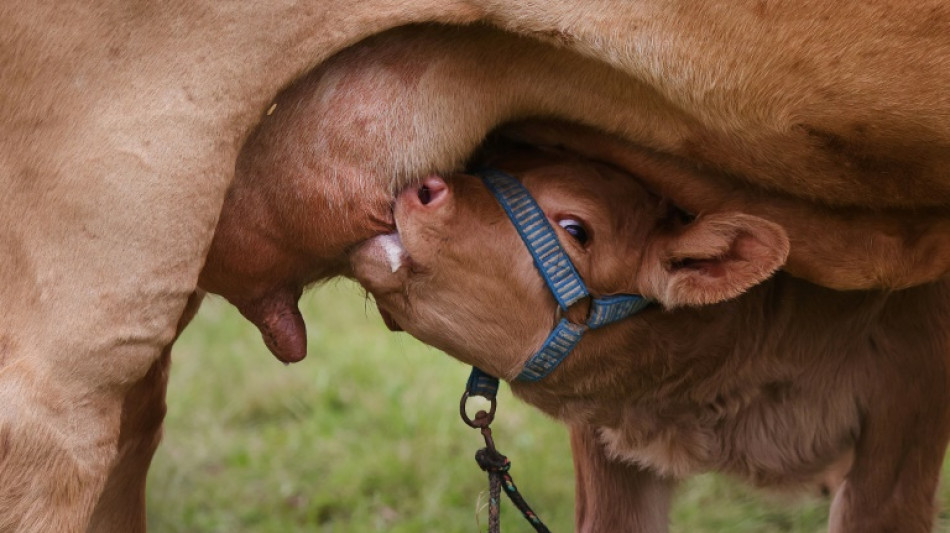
[714, 258]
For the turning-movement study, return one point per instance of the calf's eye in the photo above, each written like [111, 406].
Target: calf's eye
[575, 229]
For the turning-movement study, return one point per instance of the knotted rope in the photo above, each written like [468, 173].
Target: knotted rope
[497, 466]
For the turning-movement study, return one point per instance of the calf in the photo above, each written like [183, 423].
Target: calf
[738, 367]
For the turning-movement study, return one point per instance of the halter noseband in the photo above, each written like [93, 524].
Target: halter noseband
[561, 277]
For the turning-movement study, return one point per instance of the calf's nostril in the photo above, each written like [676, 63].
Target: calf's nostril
[425, 195]
[432, 190]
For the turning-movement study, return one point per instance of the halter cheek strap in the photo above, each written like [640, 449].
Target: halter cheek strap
[561, 277]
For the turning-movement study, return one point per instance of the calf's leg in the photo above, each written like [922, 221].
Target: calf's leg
[615, 496]
[906, 426]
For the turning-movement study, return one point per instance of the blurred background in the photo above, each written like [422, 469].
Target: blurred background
[364, 435]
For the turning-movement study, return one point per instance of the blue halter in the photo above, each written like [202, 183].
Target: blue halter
[561, 277]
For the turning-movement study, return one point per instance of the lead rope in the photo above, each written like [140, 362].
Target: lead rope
[497, 466]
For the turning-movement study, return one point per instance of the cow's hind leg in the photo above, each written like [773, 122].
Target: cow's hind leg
[122, 504]
[56, 448]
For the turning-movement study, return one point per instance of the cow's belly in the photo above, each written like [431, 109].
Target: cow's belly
[831, 163]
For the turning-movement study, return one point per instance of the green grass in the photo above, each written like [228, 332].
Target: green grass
[364, 435]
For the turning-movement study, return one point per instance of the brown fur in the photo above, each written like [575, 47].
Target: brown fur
[123, 123]
[327, 155]
[771, 379]
[839, 247]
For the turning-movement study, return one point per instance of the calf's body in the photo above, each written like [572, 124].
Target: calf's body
[768, 378]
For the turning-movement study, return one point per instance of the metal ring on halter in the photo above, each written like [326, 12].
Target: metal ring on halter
[479, 421]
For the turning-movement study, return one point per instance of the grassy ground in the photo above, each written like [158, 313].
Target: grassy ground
[364, 435]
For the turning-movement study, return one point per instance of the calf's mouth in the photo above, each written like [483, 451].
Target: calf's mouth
[391, 250]
[382, 264]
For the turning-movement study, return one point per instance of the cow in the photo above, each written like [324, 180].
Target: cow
[734, 365]
[123, 124]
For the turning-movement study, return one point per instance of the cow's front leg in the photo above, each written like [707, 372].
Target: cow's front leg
[614, 496]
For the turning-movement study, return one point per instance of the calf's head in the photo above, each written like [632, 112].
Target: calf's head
[457, 275]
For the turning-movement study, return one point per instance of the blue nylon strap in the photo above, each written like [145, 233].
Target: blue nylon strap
[559, 274]
[552, 261]
[609, 309]
[482, 384]
[557, 346]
